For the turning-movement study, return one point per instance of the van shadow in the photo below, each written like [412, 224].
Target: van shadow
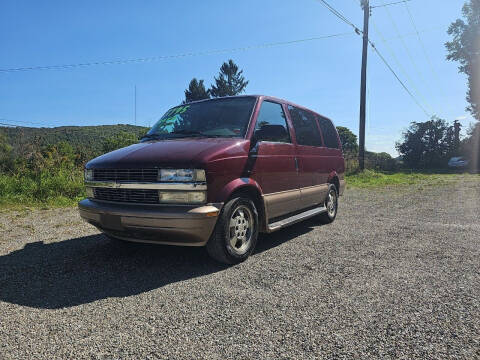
[85, 269]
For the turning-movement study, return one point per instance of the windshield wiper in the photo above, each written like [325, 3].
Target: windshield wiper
[199, 133]
[180, 132]
[189, 132]
[151, 136]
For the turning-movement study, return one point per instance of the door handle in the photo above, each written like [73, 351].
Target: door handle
[296, 164]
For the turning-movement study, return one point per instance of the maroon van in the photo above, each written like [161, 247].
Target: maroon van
[217, 172]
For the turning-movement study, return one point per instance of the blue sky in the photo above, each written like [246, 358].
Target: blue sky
[323, 75]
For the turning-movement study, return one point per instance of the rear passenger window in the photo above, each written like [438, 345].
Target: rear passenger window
[329, 133]
[306, 129]
[271, 124]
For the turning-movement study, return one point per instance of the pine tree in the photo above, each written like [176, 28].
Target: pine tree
[229, 82]
[196, 91]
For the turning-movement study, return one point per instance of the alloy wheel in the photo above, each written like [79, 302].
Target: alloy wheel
[241, 229]
[331, 204]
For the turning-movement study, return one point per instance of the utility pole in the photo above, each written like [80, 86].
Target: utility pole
[363, 85]
[457, 126]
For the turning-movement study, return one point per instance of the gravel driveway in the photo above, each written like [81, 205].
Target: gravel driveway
[397, 275]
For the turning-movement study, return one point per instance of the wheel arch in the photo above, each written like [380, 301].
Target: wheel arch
[334, 179]
[249, 188]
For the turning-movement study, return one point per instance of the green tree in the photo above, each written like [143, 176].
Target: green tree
[230, 81]
[59, 155]
[380, 161]
[6, 154]
[196, 91]
[470, 146]
[119, 140]
[427, 144]
[465, 48]
[348, 140]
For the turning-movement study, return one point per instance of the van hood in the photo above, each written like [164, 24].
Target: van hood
[180, 153]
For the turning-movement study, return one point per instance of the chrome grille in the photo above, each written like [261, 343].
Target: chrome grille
[127, 195]
[141, 175]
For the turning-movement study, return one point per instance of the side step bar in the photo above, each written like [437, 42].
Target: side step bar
[295, 218]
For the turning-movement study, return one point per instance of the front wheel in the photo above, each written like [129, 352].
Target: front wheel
[236, 232]
[331, 203]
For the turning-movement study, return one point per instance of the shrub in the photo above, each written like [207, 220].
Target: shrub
[374, 161]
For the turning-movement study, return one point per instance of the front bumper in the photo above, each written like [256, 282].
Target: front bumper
[161, 224]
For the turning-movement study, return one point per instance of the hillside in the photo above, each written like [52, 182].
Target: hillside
[80, 137]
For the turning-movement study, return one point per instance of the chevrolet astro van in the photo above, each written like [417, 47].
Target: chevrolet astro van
[217, 172]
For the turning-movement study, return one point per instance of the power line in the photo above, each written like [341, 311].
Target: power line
[340, 16]
[425, 53]
[404, 35]
[409, 54]
[343, 18]
[404, 44]
[399, 64]
[399, 80]
[266, 45]
[392, 3]
[165, 57]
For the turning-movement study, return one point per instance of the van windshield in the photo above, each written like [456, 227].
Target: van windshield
[226, 117]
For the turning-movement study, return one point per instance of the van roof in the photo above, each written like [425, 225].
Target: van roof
[263, 97]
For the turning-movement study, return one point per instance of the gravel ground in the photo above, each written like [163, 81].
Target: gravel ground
[397, 275]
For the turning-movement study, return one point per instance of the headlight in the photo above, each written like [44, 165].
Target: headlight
[181, 175]
[88, 174]
[182, 197]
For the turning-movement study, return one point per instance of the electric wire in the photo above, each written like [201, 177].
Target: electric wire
[165, 57]
[340, 15]
[400, 66]
[392, 3]
[409, 34]
[418, 71]
[396, 76]
[425, 53]
[407, 50]
[344, 19]
[265, 45]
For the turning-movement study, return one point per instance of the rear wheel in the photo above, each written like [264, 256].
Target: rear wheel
[331, 203]
[236, 232]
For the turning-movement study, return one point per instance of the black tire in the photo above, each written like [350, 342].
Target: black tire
[219, 245]
[329, 216]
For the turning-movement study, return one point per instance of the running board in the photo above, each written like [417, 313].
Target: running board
[295, 218]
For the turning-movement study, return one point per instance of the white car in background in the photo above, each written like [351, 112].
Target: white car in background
[458, 162]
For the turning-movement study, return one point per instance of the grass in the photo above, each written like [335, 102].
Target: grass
[61, 188]
[372, 179]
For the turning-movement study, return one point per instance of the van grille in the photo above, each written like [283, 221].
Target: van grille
[141, 175]
[127, 195]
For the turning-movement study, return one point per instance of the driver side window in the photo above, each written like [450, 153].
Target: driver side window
[271, 124]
